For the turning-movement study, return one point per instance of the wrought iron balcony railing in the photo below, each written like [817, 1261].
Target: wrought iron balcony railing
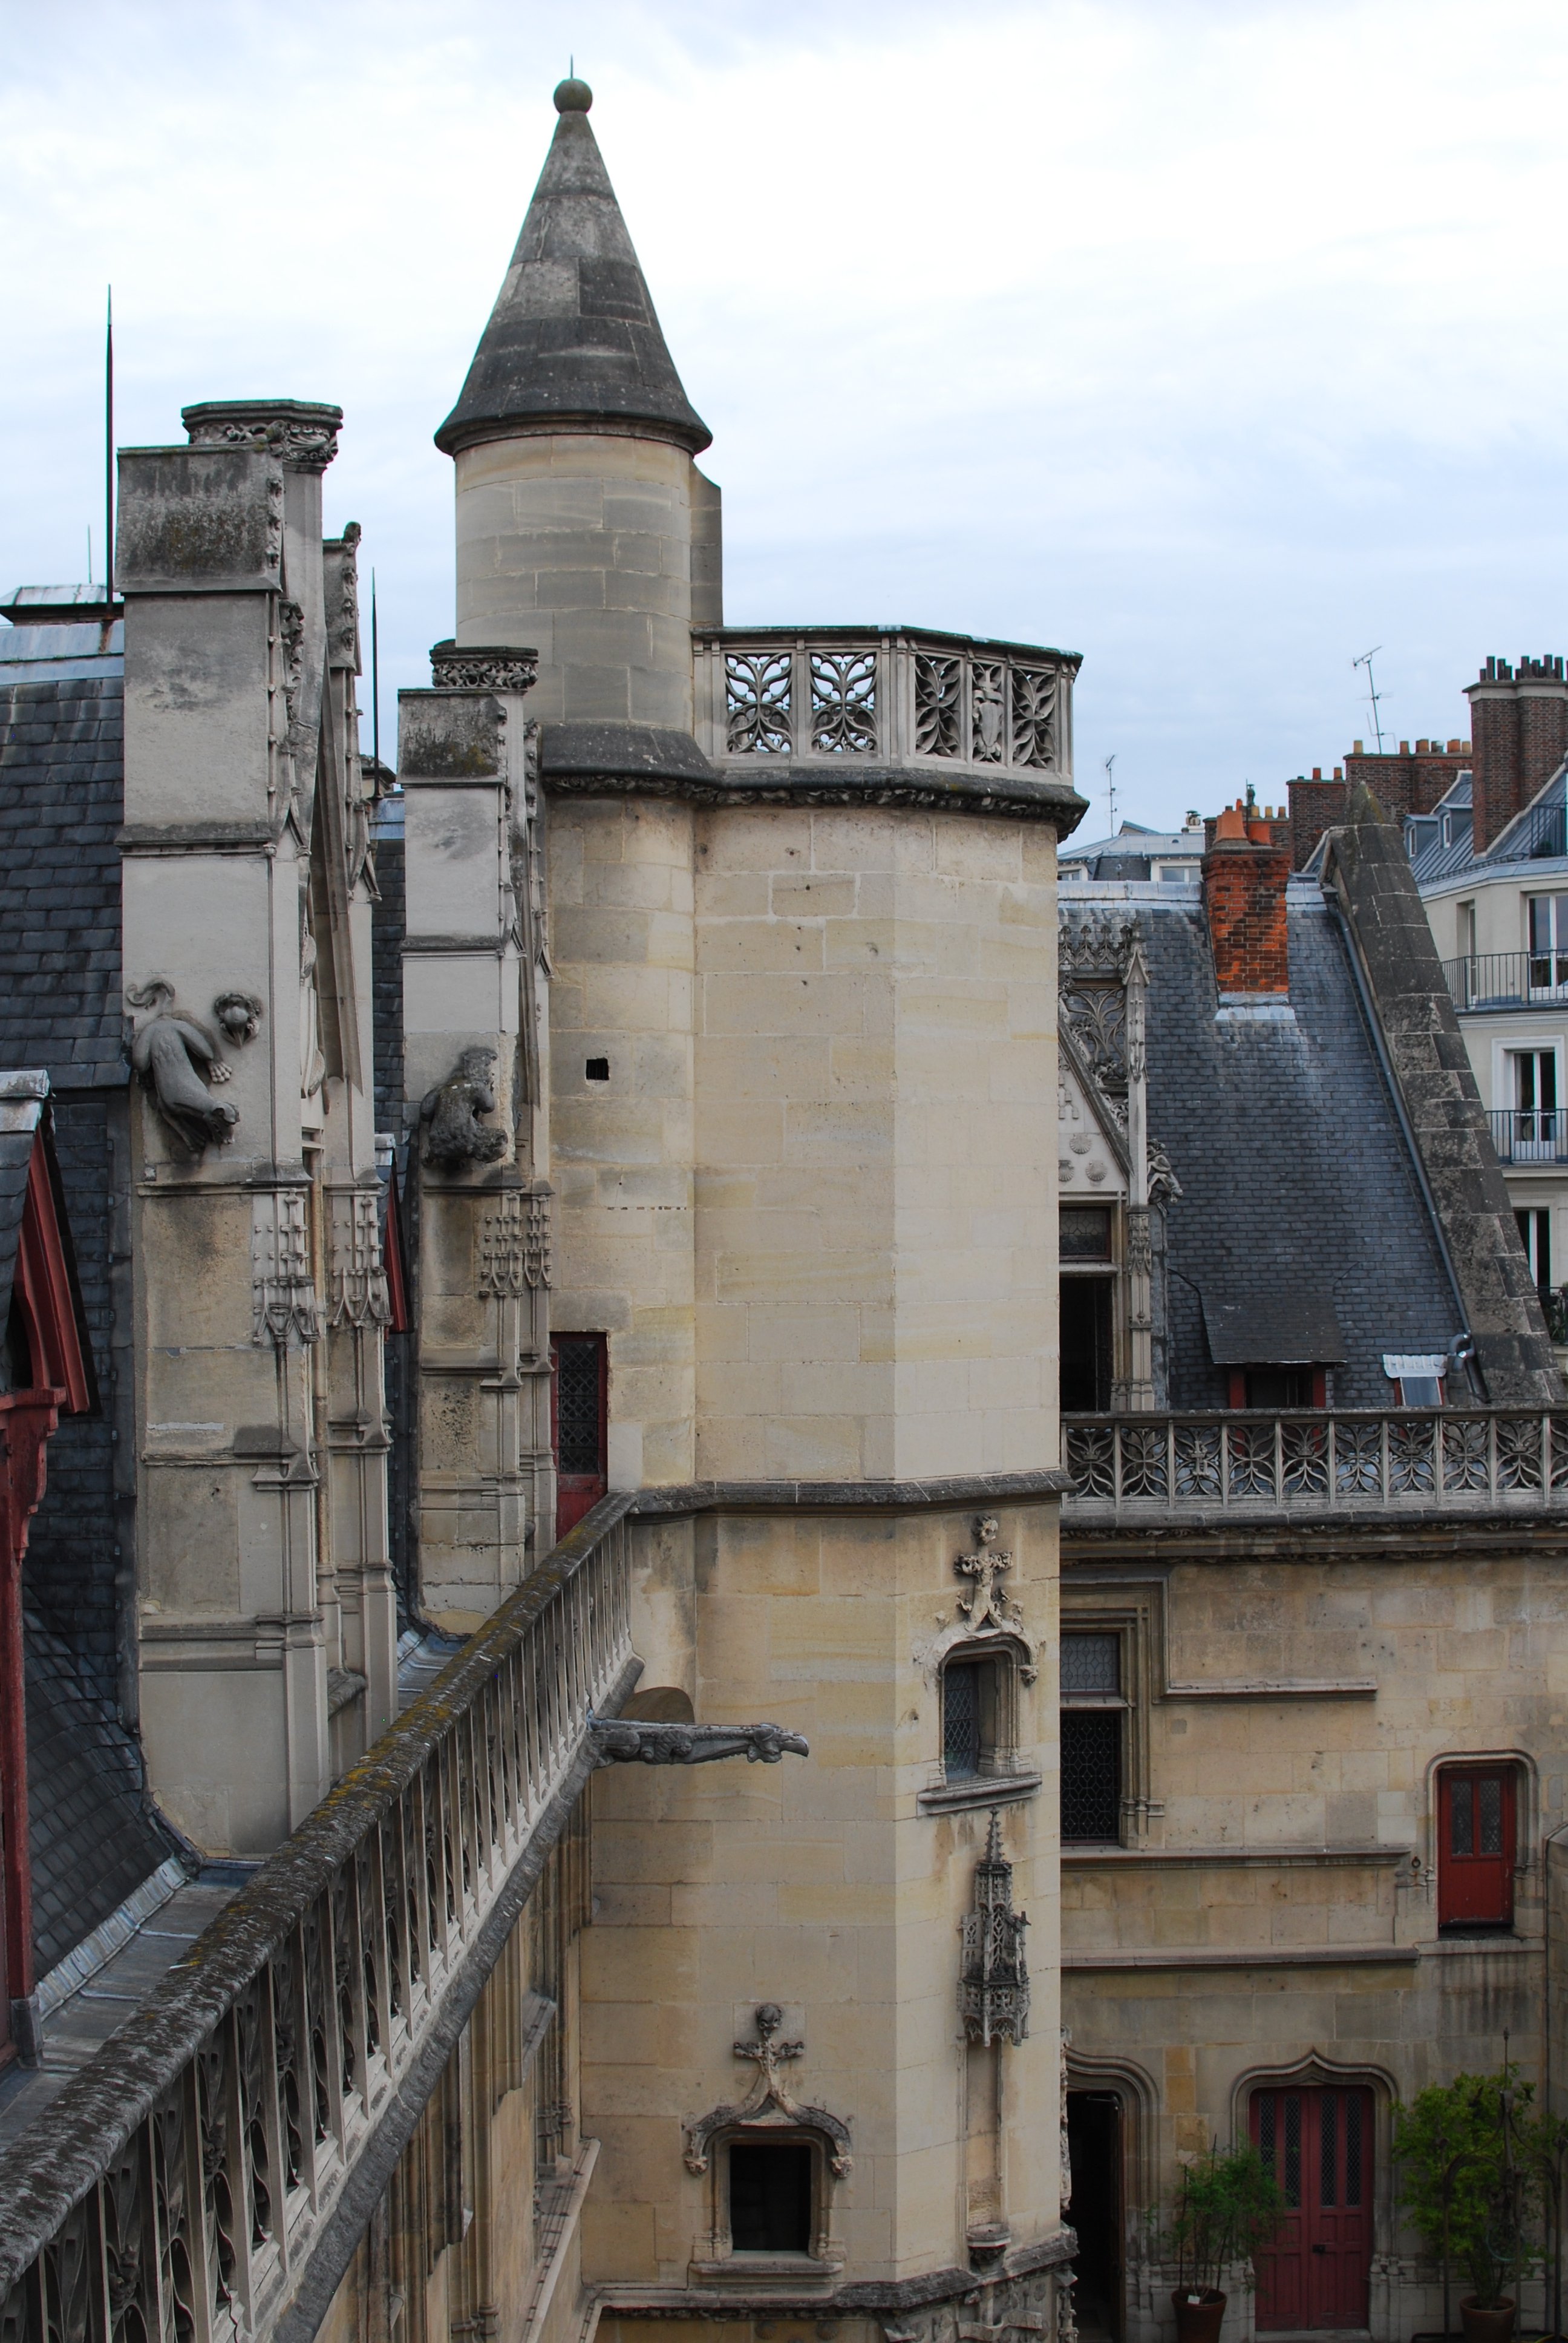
[186, 2177]
[1530, 1134]
[1508, 979]
[822, 695]
[1410, 1461]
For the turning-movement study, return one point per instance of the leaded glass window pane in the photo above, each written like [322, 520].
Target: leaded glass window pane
[577, 1418]
[1462, 1817]
[1489, 1813]
[1091, 1663]
[1352, 2147]
[1092, 1775]
[961, 1722]
[1329, 2148]
[1292, 2183]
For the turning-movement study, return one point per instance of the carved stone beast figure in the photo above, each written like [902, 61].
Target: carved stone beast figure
[457, 1137]
[176, 1057]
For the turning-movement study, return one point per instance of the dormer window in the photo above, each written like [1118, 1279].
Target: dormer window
[1278, 1389]
[1417, 1376]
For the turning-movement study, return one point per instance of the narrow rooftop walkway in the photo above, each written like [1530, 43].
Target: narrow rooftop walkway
[83, 2023]
[421, 1656]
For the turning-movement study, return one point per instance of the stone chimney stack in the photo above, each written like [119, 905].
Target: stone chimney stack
[1519, 728]
[1244, 879]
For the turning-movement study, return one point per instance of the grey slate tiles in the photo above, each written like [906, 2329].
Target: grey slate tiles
[61, 794]
[1295, 1177]
[93, 1839]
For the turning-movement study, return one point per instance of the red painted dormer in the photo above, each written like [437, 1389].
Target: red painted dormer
[46, 1372]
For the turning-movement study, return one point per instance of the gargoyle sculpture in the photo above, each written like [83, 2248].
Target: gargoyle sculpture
[618, 1741]
[240, 1014]
[176, 1057]
[457, 1139]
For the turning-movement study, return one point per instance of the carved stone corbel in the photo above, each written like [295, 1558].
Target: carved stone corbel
[988, 1616]
[457, 1139]
[618, 1741]
[769, 2104]
[176, 1057]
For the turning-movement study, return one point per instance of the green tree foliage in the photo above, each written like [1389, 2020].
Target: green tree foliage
[1470, 2177]
[1230, 2210]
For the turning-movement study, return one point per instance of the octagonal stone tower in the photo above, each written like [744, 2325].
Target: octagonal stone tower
[758, 928]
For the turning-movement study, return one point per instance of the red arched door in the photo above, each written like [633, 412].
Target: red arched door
[1318, 2145]
[1475, 1842]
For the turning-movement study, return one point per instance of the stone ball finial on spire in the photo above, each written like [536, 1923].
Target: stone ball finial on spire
[573, 96]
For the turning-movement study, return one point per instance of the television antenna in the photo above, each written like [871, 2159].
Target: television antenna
[1111, 788]
[1373, 694]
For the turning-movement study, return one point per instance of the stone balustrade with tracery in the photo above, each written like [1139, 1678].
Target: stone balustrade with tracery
[1408, 1461]
[888, 696]
[196, 2183]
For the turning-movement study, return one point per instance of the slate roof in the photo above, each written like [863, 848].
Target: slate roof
[1299, 1194]
[93, 1840]
[62, 788]
[15, 1155]
[573, 336]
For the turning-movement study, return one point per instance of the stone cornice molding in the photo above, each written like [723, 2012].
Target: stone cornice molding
[301, 432]
[835, 1496]
[1000, 795]
[493, 667]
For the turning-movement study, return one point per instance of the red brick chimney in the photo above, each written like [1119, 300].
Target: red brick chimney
[1244, 878]
[1519, 726]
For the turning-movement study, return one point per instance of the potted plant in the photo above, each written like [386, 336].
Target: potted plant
[1543, 2148]
[1470, 2188]
[1230, 2210]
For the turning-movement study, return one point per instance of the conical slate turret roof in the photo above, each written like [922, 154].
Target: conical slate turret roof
[573, 338]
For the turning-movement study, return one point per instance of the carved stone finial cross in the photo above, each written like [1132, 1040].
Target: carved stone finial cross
[987, 1606]
[765, 2053]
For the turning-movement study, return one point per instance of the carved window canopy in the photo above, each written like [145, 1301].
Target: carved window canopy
[768, 2105]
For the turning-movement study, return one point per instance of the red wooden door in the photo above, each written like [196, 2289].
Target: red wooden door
[1475, 1844]
[579, 1410]
[1318, 2145]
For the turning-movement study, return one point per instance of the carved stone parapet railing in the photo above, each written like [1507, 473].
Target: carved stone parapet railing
[203, 2177]
[828, 697]
[1407, 1461]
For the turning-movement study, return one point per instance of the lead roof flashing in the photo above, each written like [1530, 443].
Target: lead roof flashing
[573, 342]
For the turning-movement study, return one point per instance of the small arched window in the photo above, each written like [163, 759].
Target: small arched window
[1477, 1839]
[978, 1699]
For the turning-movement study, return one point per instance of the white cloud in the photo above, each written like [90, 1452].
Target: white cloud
[1217, 341]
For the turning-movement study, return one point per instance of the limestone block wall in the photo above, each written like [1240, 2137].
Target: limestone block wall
[875, 1090]
[262, 1566]
[621, 999]
[472, 1006]
[823, 1885]
[1284, 1920]
[580, 544]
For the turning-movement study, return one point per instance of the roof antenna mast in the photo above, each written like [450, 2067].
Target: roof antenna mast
[1373, 694]
[1111, 788]
[109, 447]
[374, 686]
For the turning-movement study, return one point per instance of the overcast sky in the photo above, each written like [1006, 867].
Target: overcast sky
[1215, 339]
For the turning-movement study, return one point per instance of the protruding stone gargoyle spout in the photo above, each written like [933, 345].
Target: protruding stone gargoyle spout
[457, 1139]
[618, 1741]
[176, 1057]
